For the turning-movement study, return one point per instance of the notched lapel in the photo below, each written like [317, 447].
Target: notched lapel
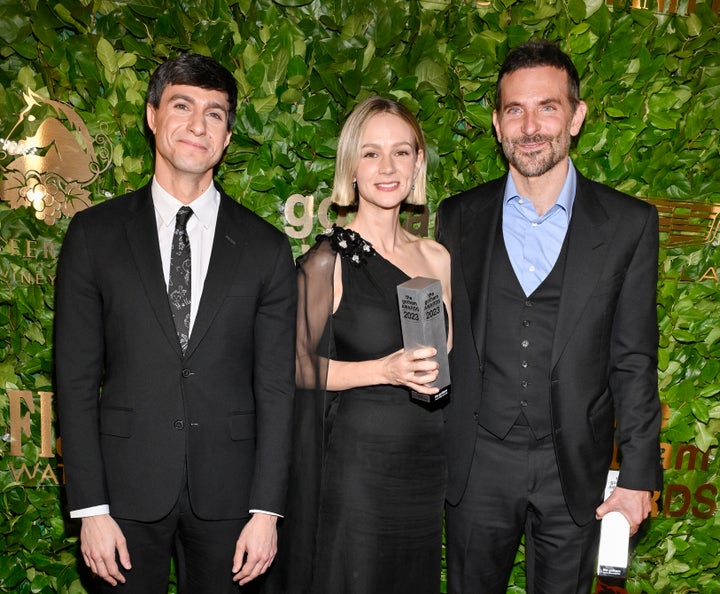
[478, 230]
[143, 240]
[224, 261]
[588, 238]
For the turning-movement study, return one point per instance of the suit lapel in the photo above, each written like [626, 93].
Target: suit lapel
[143, 239]
[479, 228]
[588, 242]
[224, 260]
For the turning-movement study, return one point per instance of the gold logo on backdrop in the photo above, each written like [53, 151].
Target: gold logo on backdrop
[52, 159]
[680, 7]
[687, 223]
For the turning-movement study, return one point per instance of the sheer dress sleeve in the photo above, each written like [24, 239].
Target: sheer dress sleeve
[315, 271]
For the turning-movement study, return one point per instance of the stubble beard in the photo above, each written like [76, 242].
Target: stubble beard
[537, 163]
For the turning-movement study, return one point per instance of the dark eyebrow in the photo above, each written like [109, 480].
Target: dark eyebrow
[181, 97]
[546, 101]
[187, 98]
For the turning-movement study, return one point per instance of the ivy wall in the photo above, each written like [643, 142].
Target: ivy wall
[73, 75]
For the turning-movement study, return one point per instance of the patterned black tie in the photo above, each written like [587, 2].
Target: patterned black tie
[179, 282]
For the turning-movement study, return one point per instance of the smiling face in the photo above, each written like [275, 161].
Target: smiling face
[388, 161]
[535, 122]
[191, 133]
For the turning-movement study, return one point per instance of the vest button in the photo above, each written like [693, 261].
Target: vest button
[179, 424]
[186, 372]
[523, 403]
[529, 303]
[524, 364]
[526, 323]
[524, 384]
[525, 344]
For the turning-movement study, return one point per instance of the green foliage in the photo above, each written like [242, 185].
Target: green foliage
[652, 84]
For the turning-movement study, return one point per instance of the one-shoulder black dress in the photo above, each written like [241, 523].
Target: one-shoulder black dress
[383, 473]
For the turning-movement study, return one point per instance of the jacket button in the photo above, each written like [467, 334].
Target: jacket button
[179, 424]
[523, 403]
[186, 373]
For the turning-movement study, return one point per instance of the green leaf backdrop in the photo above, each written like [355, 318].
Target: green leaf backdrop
[652, 83]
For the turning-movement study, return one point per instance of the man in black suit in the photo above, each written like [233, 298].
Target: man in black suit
[555, 350]
[175, 406]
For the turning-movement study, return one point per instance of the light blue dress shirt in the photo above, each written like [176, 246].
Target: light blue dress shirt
[533, 242]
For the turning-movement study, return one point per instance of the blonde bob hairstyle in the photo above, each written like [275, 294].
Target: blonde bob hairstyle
[348, 151]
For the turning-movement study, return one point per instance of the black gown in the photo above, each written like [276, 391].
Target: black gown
[382, 481]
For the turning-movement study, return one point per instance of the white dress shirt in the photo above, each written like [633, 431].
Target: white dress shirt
[200, 230]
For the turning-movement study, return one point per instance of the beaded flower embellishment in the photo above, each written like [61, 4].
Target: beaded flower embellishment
[348, 244]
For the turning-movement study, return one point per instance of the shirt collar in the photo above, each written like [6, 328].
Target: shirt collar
[565, 199]
[204, 207]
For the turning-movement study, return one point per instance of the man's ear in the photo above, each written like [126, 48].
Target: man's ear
[578, 118]
[496, 125]
[150, 116]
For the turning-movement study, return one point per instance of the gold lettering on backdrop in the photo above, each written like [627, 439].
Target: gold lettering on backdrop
[685, 453]
[38, 268]
[676, 500]
[682, 7]
[300, 215]
[682, 223]
[31, 249]
[52, 159]
[19, 422]
[24, 277]
[686, 223]
[679, 500]
[710, 274]
[22, 406]
[417, 223]
[28, 414]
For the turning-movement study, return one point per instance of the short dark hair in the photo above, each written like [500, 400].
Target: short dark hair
[536, 53]
[196, 71]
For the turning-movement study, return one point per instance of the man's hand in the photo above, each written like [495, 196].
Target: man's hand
[256, 548]
[100, 537]
[634, 505]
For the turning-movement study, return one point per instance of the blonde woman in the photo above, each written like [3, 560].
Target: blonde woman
[370, 519]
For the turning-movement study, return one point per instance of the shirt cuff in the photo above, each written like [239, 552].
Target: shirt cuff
[86, 512]
[261, 511]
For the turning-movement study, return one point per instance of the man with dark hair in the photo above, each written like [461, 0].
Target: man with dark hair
[175, 323]
[555, 347]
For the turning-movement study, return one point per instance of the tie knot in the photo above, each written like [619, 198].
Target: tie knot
[182, 216]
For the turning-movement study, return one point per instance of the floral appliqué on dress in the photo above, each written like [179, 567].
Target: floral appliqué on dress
[348, 244]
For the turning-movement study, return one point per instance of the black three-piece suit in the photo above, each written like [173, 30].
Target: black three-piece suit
[603, 353]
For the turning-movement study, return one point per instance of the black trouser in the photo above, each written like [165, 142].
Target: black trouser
[204, 550]
[514, 488]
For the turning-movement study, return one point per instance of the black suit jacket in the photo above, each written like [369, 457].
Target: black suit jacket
[137, 416]
[604, 354]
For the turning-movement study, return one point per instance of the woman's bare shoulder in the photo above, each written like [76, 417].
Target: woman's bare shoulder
[431, 249]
